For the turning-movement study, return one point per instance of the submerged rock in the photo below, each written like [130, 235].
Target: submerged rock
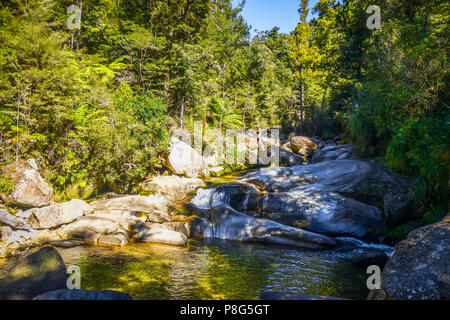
[173, 187]
[31, 189]
[35, 274]
[228, 224]
[58, 214]
[419, 269]
[65, 243]
[83, 295]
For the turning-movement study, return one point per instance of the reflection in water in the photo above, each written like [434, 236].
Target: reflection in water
[215, 269]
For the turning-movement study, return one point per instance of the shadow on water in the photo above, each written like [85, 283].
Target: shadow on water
[214, 270]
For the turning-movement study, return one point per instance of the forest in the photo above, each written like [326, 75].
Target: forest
[96, 105]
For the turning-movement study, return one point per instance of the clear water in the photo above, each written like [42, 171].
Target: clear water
[215, 269]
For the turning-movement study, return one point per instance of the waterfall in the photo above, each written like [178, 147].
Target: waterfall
[361, 244]
[211, 197]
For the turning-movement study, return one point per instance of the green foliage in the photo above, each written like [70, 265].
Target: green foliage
[360, 131]
[96, 104]
[401, 232]
[392, 86]
[422, 148]
[7, 184]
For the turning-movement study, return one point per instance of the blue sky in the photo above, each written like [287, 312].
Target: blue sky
[266, 14]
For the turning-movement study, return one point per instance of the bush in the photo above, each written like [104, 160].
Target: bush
[115, 152]
[7, 184]
[422, 148]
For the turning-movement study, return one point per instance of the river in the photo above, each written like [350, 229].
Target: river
[216, 269]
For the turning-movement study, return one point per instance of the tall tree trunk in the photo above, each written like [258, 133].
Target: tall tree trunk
[17, 123]
[321, 110]
[243, 114]
[182, 113]
[302, 106]
[79, 30]
[204, 121]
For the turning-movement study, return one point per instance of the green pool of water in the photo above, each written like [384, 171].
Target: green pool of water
[214, 269]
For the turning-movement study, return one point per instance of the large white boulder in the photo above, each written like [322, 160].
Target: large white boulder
[328, 197]
[186, 161]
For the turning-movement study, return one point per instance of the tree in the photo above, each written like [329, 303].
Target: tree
[304, 56]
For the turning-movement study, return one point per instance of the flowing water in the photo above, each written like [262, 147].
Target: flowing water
[211, 197]
[216, 269]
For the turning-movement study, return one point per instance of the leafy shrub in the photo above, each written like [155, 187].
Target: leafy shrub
[401, 232]
[7, 184]
[422, 148]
